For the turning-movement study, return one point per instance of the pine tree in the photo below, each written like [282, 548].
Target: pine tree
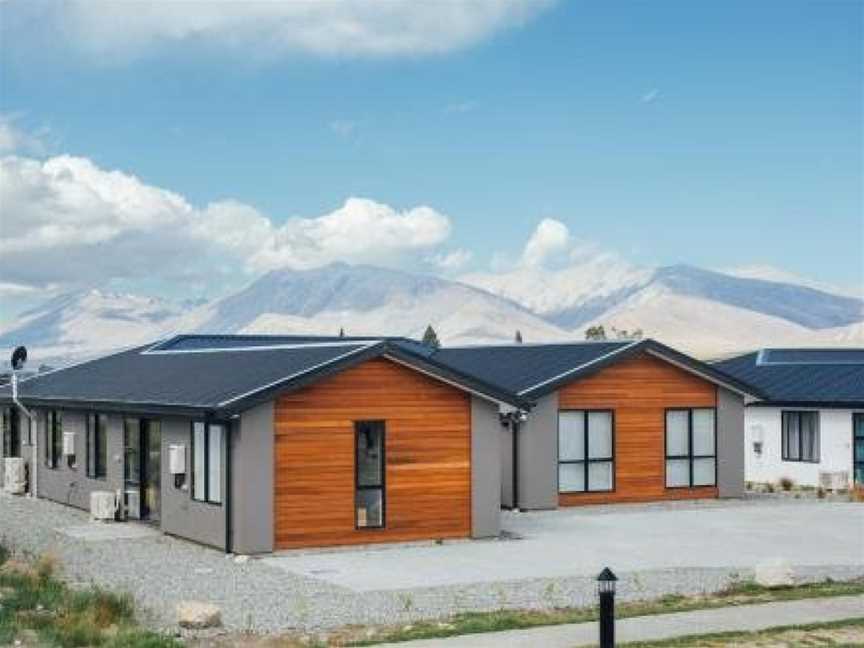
[595, 333]
[430, 338]
[518, 337]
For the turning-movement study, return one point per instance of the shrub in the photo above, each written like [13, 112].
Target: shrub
[786, 483]
[820, 493]
[769, 487]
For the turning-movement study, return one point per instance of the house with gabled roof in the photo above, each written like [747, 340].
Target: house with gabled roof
[260, 443]
[809, 425]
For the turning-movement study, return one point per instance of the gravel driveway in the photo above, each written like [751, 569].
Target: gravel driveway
[322, 590]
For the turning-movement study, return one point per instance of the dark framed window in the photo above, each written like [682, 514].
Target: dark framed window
[586, 451]
[53, 438]
[11, 433]
[207, 441]
[369, 495]
[97, 445]
[800, 436]
[691, 447]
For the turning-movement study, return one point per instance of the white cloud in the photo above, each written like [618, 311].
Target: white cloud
[112, 30]
[68, 221]
[15, 139]
[454, 260]
[343, 127]
[550, 239]
[650, 96]
[460, 107]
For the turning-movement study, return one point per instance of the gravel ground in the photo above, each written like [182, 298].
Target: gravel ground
[159, 571]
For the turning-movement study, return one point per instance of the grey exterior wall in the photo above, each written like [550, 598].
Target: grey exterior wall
[538, 456]
[730, 443]
[485, 469]
[181, 515]
[506, 467]
[253, 482]
[26, 453]
[70, 485]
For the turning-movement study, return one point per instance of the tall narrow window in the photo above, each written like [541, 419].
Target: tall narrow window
[586, 451]
[97, 445]
[800, 436]
[369, 500]
[207, 442]
[53, 438]
[11, 433]
[691, 448]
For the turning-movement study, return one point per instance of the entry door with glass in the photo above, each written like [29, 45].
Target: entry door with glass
[858, 449]
[142, 467]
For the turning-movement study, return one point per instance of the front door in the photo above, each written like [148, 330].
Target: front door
[858, 449]
[142, 467]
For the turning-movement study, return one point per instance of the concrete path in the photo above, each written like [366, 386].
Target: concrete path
[580, 541]
[663, 626]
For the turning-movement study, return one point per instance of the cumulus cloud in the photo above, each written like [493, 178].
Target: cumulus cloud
[66, 220]
[454, 260]
[549, 241]
[14, 138]
[114, 31]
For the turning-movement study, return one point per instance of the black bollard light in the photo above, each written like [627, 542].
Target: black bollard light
[606, 591]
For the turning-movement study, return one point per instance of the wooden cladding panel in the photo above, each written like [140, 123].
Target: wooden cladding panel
[427, 449]
[639, 390]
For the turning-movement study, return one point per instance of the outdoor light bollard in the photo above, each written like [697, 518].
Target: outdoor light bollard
[606, 591]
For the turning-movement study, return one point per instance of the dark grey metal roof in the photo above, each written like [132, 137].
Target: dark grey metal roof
[811, 356]
[519, 367]
[201, 342]
[532, 371]
[215, 377]
[222, 374]
[794, 376]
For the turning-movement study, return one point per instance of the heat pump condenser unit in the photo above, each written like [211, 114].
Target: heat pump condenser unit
[102, 505]
[14, 475]
[834, 481]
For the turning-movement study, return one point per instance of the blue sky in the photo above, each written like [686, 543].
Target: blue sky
[718, 134]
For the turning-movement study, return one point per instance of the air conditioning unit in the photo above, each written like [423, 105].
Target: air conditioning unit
[835, 480]
[69, 444]
[103, 505]
[14, 480]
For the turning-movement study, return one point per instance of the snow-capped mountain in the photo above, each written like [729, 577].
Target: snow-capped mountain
[87, 322]
[704, 312]
[367, 300]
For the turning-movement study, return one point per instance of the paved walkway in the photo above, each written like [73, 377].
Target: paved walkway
[663, 626]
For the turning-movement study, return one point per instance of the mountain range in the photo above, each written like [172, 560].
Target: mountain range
[704, 312]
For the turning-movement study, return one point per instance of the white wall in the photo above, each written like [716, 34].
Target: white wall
[835, 432]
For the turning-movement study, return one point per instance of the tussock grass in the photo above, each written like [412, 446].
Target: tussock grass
[35, 604]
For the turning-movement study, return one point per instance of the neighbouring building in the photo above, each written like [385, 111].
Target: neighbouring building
[809, 427]
[613, 422]
[260, 443]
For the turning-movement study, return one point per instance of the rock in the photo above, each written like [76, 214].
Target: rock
[774, 573]
[197, 615]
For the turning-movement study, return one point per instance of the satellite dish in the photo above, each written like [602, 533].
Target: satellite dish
[19, 358]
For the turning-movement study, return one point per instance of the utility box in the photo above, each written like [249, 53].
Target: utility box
[177, 459]
[69, 444]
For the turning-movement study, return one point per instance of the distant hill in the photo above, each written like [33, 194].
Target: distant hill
[705, 312]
